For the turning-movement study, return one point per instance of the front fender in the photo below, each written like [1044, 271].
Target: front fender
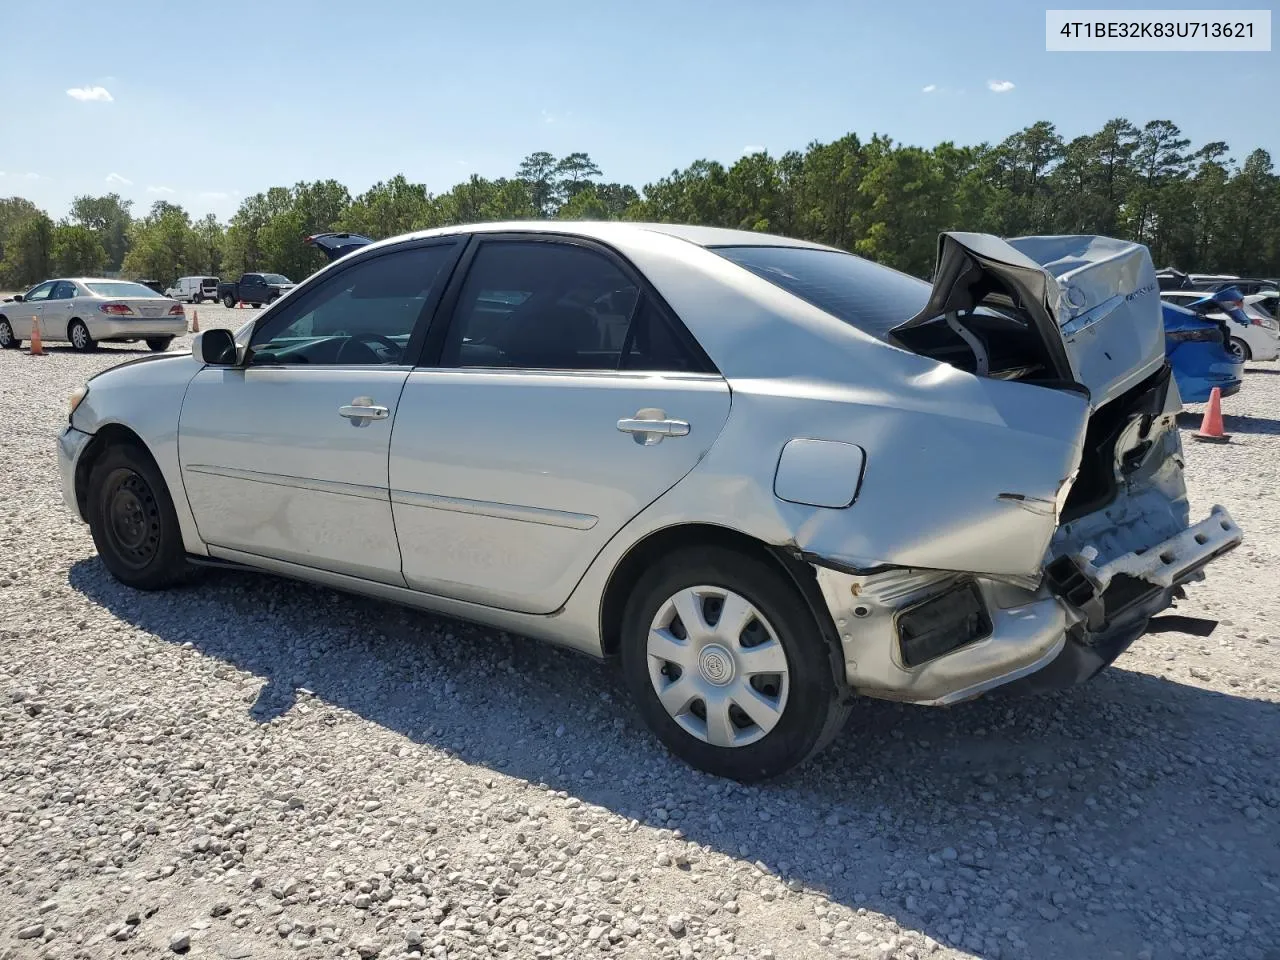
[145, 397]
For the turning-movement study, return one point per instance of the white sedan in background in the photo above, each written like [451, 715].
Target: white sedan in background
[86, 312]
[1257, 340]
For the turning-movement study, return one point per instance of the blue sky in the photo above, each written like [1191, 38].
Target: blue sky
[228, 97]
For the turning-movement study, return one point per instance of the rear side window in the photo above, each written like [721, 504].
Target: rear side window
[558, 306]
[871, 297]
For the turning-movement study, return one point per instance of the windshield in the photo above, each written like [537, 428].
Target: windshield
[871, 297]
[275, 278]
[122, 288]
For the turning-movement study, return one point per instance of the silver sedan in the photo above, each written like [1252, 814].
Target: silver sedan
[767, 476]
[87, 311]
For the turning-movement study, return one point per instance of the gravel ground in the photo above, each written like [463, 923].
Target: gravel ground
[253, 768]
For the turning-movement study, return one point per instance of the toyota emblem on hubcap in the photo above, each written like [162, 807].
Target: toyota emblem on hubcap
[716, 664]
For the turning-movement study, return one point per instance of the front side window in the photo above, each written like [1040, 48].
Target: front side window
[361, 315]
[40, 292]
[557, 306]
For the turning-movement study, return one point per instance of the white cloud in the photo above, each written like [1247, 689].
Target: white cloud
[999, 86]
[116, 178]
[751, 148]
[548, 116]
[214, 194]
[32, 176]
[83, 94]
[929, 88]
[159, 189]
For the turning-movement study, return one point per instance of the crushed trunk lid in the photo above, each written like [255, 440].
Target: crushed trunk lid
[1084, 310]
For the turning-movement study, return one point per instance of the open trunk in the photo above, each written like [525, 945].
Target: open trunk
[1067, 312]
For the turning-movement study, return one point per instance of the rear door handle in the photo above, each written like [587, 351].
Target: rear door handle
[649, 426]
[361, 410]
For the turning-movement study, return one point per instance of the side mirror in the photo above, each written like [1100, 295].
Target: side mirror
[17, 298]
[216, 347]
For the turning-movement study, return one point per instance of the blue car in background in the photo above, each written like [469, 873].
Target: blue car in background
[1194, 347]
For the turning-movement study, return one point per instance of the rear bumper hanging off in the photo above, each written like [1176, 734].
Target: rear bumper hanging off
[938, 638]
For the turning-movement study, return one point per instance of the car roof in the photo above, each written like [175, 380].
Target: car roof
[607, 230]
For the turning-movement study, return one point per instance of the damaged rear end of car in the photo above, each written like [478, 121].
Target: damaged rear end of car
[1115, 540]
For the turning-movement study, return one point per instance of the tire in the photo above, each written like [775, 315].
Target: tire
[798, 710]
[271, 300]
[1239, 349]
[7, 339]
[229, 301]
[159, 344]
[132, 520]
[79, 336]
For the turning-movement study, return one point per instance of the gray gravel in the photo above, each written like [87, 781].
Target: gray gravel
[253, 768]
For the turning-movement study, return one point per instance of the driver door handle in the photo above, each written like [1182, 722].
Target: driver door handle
[361, 410]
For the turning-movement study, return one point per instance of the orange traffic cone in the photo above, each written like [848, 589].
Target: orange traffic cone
[37, 348]
[239, 304]
[195, 322]
[1211, 426]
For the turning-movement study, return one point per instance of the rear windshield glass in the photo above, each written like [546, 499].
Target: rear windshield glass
[121, 288]
[275, 278]
[873, 298]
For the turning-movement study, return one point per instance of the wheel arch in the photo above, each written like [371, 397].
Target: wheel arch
[646, 551]
[107, 436]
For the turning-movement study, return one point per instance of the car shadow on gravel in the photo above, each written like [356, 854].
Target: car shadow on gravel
[1233, 423]
[1076, 824]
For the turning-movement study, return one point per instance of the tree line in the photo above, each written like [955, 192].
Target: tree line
[1197, 209]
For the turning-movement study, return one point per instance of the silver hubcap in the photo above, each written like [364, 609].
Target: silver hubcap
[78, 336]
[5, 334]
[1237, 349]
[717, 666]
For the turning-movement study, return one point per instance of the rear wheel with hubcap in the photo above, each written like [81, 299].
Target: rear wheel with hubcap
[728, 665]
[132, 520]
[78, 334]
[228, 301]
[7, 339]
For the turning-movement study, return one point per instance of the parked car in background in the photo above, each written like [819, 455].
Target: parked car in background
[1245, 285]
[1194, 346]
[1268, 302]
[796, 477]
[1171, 279]
[255, 289]
[335, 245]
[1251, 334]
[194, 289]
[87, 311]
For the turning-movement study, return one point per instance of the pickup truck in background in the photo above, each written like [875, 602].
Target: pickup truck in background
[255, 289]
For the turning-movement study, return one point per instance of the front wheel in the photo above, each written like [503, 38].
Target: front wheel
[159, 344]
[8, 341]
[1239, 349]
[728, 666]
[228, 301]
[132, 520]
[78, 334]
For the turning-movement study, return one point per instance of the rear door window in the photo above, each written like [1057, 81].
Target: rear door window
[554, 305]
